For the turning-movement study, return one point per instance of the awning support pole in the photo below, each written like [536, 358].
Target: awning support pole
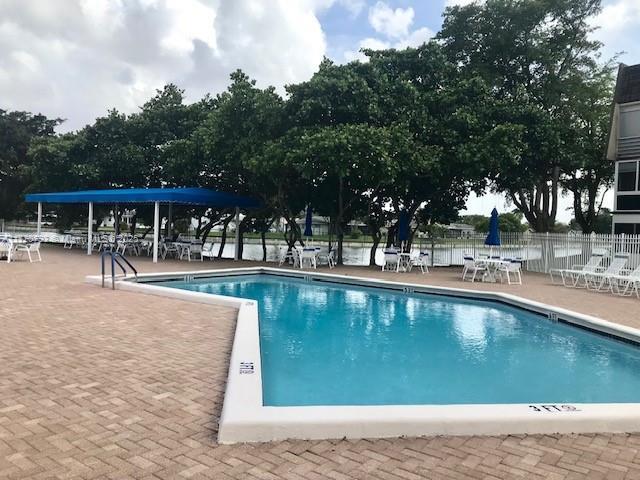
[116, 218]
[39, 227]
[237, 253]
[90, 230]
[156, 230]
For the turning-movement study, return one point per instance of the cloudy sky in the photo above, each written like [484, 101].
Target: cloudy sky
[75, 59]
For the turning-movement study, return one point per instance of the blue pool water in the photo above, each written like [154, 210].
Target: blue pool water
[330, 344]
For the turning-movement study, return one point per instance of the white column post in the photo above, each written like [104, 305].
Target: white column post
[156, 230]
[39, 228]
[237, 254]
[90, 230]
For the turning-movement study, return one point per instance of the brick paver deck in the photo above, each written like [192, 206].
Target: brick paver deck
[102, 384]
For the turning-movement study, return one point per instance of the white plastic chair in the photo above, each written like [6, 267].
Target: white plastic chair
[421, 261]
[391, 261]
[601, 280]
[470, 266]
[513, 267]
[328, 258]
[194, 249]
[308, 256]
[207, 250]
[29, 248]
[571, 277]
[295, 255]
[627, 284]
[6, 248]
[69, 241]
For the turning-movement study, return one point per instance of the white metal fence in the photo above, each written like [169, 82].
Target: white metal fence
[540, 252]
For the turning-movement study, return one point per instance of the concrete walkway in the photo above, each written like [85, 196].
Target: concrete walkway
[102, 384]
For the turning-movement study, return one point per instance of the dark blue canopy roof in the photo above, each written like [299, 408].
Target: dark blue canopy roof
[187, 196]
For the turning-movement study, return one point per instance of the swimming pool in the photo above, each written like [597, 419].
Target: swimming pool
[318, 355]
[323, 343]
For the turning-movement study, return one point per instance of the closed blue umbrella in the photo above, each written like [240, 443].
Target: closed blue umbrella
[403, 227]
[493, 238]
[308, 222]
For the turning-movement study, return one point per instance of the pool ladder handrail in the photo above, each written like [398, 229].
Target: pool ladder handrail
[115, 259]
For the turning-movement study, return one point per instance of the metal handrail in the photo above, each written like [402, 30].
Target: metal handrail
[115, 259]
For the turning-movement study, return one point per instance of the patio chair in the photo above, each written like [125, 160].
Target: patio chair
[194, 249]
[207, 250]
[308, 256]
[421, 261]
[295, 255]
[6, 248]
[31, 249]
[170, 248]
[328, 258]
[571, 277]
[70, 241]
[391, 260]
[471, 267]
[513, 267]
[600, 280]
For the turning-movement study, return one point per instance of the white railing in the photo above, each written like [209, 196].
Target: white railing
[540, 252]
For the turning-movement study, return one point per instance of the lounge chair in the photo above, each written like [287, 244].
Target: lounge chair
[571, 277]
[626, 284]
[600, 280]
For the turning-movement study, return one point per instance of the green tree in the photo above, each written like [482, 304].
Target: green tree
[533, 54]
[17, 131]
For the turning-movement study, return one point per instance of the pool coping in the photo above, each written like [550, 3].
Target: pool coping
[245, 419]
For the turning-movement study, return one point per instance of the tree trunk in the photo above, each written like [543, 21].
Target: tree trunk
[134, 224]
[339, 220]
[199, 227]
[223, 239]
[391, 235]
[243, 227]
[263, 239]
[375, 237]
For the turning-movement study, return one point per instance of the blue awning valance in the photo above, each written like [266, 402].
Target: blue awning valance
[185, 196]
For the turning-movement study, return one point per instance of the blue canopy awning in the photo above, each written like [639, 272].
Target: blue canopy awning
[185, 196]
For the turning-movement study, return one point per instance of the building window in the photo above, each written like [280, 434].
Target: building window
[627, 176]
[630, 121]
[627, 228]
[628, 202]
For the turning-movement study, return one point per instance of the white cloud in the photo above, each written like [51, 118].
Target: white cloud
[353, 6]
[617, 28]
[390, 22]
[460, 3]
[415, 38]
[77, 58]
[395, 25]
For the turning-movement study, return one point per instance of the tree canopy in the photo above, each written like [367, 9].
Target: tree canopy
[510, 96]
